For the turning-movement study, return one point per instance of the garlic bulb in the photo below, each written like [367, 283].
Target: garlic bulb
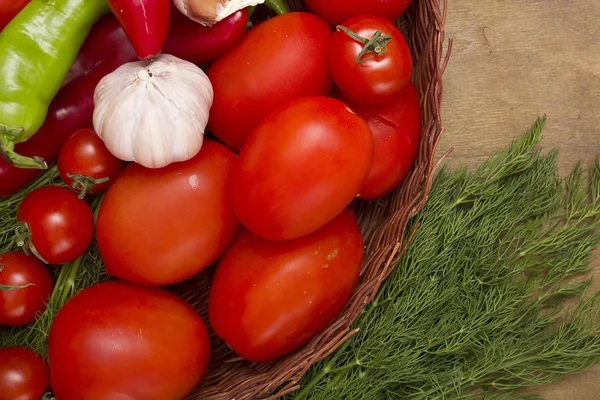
[209, 12]
[153, 112]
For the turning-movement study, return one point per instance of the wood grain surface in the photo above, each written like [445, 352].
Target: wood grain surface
[512, 61]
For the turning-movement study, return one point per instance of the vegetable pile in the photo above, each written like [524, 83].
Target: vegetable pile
[184, 137]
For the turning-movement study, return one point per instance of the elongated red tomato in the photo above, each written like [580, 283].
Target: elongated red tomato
[24, 374]
[118, 341]
[301, 167]
[269, 298]
[396, 128]
[161, 226]
[279, 60]
[59, 225]
[25, 286]
[369, 59]
[337, 11]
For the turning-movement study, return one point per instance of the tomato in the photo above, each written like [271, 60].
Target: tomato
[116, 341]
[59, 225]
[372, 74]
[269, 298]
[300, 168]
[24, 374]
[9, 9]
[396, 128]
[25, 286]
[279, 60]
[86, 165]
[337, 11]
[161, 226]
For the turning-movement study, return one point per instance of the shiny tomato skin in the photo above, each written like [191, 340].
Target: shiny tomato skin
[279, 60]
[396, 128]
[300, 168]
[269, 298]
[116, 340]
[22, 306]
[85, 154]
[379, 79]
[61, 226]
[337, 11]
[24, 374]
[161, 226]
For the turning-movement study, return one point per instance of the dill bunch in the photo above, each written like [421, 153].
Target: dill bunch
[475, 308]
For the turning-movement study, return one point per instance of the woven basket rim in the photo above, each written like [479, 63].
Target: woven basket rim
[383, 224]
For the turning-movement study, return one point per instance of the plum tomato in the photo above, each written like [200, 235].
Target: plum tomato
[301, 167]
[337, 11]
[269, 298]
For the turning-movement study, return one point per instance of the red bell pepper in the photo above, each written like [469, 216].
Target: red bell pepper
[105, 49]
[9, 9]
[146, 23]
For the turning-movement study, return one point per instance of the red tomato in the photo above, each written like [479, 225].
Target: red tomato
[118, 341]
[372, 74]
[337, 11]
[279, 60]
[24, 374]
[269, 298]
[396, 128]
[60, 225]
[9, 9]
[84, 161]
[301, 167]
[161, 226]
[25, 286]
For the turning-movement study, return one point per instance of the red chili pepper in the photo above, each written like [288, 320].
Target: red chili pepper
[146, 23]
[105, 49]
[9, 9]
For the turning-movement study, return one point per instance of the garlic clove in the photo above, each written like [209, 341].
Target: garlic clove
[209, 12]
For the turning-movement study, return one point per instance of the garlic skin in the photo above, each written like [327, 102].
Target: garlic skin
[153, 112]
[209, 12]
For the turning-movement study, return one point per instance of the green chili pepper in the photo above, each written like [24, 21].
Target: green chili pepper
[37, 49]
[278, 6]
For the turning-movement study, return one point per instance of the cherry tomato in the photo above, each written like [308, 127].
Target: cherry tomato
[59, 225]
[116, 340]
[396, 128]
[25, 286]
[337, 11]
[269, 298]
[281, 59]
[374, 72]
[24, 374]
[86, 165]
[300, 168]
[161, 226]
[9, 9]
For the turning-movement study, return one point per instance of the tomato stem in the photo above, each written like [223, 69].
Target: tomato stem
[374, 47]
[23, 240]
[83, 184]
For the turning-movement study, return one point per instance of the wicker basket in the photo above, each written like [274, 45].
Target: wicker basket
[383, 224]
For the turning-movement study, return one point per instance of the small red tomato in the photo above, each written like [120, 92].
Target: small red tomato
[301, 167]
[119, 341]
[25, 285]
[24, 374]
[269, 298]
[86, 165]
[337, 11]
[161, 226]
[58, 225]
[369, 59]
[396, 128]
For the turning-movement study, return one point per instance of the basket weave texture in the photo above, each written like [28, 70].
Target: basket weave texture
[383, 224]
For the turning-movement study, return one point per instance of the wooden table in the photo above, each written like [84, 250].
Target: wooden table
[512, 61]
